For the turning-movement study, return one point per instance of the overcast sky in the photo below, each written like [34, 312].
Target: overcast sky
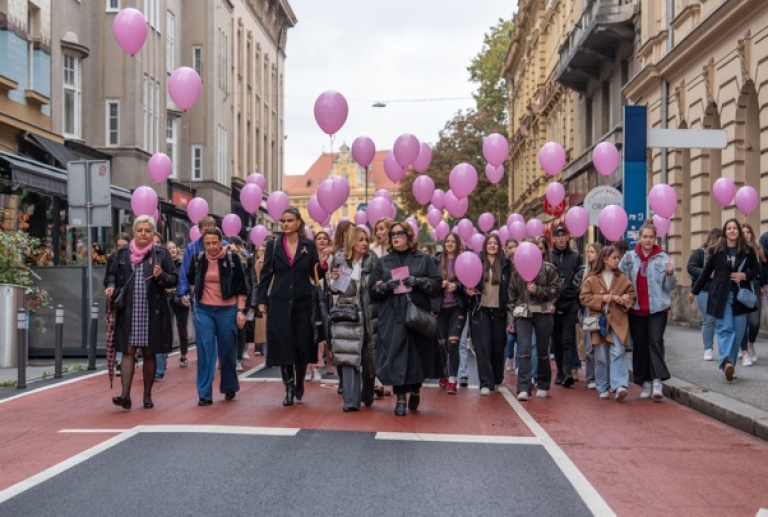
[379, 51]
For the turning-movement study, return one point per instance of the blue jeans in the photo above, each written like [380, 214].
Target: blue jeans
[729, 330]
[464, 352]
[611, 365]
[509, 350]
[162, 362]
[707, 321]
[216, 325]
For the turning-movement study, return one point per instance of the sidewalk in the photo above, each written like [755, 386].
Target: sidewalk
[701, 385]
[43, 369]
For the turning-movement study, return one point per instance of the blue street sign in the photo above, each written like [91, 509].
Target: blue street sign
[635, 179]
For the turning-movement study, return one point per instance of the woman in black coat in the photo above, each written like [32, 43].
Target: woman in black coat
[735, 266]
[144, 322]
[488, 319]
[405, 359]
[289, 263]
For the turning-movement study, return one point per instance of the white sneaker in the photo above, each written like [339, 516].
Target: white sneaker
[658, 392]
[508, 365]
[308, 376]
[239, 366]
[541, 394]
[708, 354]
[646, 394]
[592, 385]
[745, 360]
[523, 395]
[752, 352]
[316, 375]
[246, 356]
[485, 391]
[621, 393]
[605, 395]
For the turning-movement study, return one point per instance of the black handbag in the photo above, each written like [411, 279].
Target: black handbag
[118, 297]
[345, 312]
[420, 321]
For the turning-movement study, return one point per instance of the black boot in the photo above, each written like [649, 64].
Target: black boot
[400, 407]
[288, 380]
[413, 401]
[301, 371]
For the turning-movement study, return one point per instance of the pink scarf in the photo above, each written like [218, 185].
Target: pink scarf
[138, 254]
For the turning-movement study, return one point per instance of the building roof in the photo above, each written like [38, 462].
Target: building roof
[306, 184]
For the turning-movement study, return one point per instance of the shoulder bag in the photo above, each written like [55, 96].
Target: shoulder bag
[418, 320]
[597, 323]
[746, 297]
[118, 297]
[345, 312]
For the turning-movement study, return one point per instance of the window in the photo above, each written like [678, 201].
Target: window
[72, 100]
[170, 34]
[113, 6]
[34, 22]
[221, 168]
[197, 163]
[156, 134]
[197, 60]
[113, 123]
[145, 109]
[152, 13]
[222, 61]
[171, 144]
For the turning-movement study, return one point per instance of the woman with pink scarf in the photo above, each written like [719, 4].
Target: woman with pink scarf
[145, 271]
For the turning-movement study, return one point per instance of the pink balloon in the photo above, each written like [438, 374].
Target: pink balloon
[528, 261]
[414, 225]
[144, 201]
[555, 193]
[160, 167]
[662, 225]
[422, 161]
[363, 151]
[477, 241]
[382, 192]
[463, 180]
[258, 234]
[469, 269]
[438, 199]
[746, 199]
[518, 230]
[251, 197]
[495, 149]
[340, 191]
[606, 158]
[455, 206]
[156, 216]
[309, 233]
[434, 217]
[423, 188]
[197, 208]
[326, 196]
[406, 149]
[494, 174]
[257, 179]
[485, 221]
[577, 221]
[442, 230]
[534, 228]
[552, 158]
[465, 229]
[194, 233]
[331, 110]
[316, 212]
[433, 234]
[515, 217]
[360, 218]
[612, 222]
[393, 211]
[663, 200]
[724, 191]
[184, 87]
[231, 225]
[503, 234]
[378, 208]
[277, 203]
[130, 30]
[392, 169]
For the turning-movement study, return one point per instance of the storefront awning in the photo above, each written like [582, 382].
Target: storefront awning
[62, 154]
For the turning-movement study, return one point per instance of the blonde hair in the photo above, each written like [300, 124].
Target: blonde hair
[353, 234]
[144, 219]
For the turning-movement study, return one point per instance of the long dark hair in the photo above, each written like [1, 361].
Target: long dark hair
[753, 243]
[546, 254]
[712, 237]
[722, 243]
[295, 212]
[492, 270]
[444, 255]
[600, 262]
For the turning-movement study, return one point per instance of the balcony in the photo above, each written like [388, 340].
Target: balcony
[594, 40]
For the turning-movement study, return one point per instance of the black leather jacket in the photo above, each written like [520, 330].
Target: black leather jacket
[231, 275]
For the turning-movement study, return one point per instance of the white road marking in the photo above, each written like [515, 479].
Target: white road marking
[583, 487]
[458, 438]
[219, 429]
[94, 431]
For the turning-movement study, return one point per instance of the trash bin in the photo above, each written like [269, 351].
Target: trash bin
[12, 298]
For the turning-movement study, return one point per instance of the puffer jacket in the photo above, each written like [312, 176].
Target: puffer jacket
[348, 339]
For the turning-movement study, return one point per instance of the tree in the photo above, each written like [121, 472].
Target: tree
[485, 70]
[461, 140]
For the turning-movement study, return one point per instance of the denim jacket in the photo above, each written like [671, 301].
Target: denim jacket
[660, 285]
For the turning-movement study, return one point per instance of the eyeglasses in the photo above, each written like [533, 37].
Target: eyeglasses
[399, 233]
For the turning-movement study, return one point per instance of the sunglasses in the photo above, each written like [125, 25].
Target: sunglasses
[399, 233]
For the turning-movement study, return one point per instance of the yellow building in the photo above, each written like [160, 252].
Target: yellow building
[301, 188]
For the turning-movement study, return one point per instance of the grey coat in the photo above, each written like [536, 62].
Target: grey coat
[348, 339]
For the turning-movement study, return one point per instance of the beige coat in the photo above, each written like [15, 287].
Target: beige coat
[593, 289]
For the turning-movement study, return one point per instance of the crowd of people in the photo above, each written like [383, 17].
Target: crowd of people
[386, 315]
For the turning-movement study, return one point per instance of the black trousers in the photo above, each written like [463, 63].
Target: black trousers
[489, 337]
[450, 325]
[182, 320]
[564, 338]
[539, 325]
[648, 347]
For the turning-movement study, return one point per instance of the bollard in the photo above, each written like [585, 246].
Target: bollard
[94, 332]
[21, 325]
[59, 346]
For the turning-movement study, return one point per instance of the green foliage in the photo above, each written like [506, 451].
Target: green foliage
[15, 249]
[485, 71]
